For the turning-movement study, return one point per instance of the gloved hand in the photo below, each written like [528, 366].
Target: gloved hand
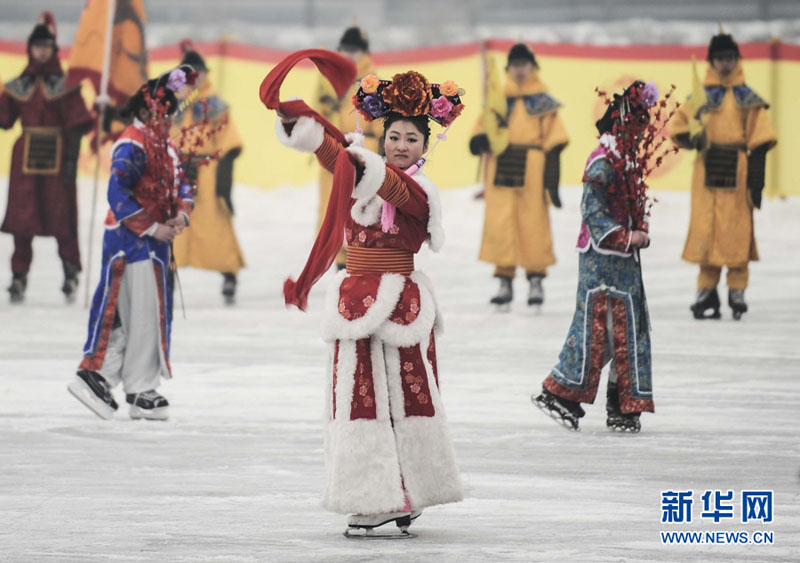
[479, 144]
[552, 174]
[756, 170]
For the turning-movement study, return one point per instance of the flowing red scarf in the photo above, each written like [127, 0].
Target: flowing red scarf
[341, 73]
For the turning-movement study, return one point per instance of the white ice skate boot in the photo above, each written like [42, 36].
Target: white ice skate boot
[363, 525]
[149, 405]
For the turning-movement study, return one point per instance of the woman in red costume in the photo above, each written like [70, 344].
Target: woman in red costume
[387, 446]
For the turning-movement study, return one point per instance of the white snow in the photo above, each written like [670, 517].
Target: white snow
[236, 474]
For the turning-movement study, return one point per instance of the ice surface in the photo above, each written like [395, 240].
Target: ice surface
[236, 473]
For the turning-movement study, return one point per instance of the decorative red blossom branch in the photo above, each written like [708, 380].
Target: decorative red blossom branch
[639, 123]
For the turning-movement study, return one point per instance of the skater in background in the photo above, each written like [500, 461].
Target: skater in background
[210, 243]
[387, 447]
[130, 320]
[611, 321]
[522, 180]
[728, 177]
[354, 45]
[42, 197]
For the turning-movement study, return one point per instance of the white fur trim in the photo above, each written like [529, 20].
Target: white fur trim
[420, 329]
[424, 447]
[376, 320]
[374, 173]
[355, 139]
[435, 229]
[367, 212]
[363, 472]
[307, 134]
[334, 326]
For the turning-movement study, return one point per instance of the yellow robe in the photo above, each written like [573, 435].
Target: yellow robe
[517, 223]
[341, 113]
[210, 241]
[721, 223]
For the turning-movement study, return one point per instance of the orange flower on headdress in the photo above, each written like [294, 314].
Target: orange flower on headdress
[409, 94]
[448, 88]
[370, 84]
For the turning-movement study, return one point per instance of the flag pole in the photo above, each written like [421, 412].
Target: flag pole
[101, 101]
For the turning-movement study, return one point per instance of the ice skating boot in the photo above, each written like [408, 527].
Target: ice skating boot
[149, 405]
[504, 295]
[706, 299]
[229, 288]
[536, 292]
[616, 420]
[16, 291]
[737, 303]
[91, 389]
[70, 286]
[362, 526]
[563, 411]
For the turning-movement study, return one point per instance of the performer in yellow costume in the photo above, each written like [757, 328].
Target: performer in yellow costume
[728, 177]
[522, 179]
[339, 111]
[210, 241]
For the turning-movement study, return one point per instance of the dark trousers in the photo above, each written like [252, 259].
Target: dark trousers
[68, 251]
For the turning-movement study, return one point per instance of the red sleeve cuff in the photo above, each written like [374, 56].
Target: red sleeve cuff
[393, 189]
[139, 223]
[619, 240]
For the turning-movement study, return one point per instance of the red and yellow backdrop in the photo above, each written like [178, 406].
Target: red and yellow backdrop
[571, 71]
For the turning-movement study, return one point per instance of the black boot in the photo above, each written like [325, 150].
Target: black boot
[19, 282]
[706, 299]
[536, 292]
[562, 410]
[737, 303]
[70, 286]
[506, 292]
[615, 419]
[91, 389]
[229, 287]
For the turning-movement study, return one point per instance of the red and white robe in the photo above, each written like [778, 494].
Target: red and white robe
[386, 430]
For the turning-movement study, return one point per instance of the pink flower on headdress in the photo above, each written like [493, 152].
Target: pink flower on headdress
[441, 107]
[649, 94]
[176, 80]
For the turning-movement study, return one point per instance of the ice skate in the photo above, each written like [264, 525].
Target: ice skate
[737, 303]
[504, 295]
[616, 420]
[91, 389]
[149, 405]
[706, 299]
[362, 526]
[536, 292]
[229, 288]
[70, 285]
[19, 282]
[565, 412]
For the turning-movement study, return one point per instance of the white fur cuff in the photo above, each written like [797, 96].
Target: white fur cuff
[374, 173]
[306, 136]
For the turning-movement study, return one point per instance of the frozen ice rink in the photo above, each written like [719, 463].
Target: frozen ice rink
[236, 474]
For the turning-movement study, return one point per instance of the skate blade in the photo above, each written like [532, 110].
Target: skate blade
[81, 391]
[624, 429]
[357, 533]
[229, 300]
[138, 413]
[555, 415]
[502, 307]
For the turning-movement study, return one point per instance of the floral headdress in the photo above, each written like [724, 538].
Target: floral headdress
[409, 94]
